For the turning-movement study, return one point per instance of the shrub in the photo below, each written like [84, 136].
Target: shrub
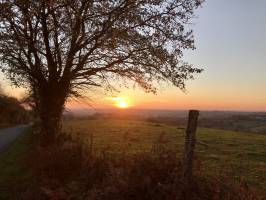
[11, 112]
[69, 170]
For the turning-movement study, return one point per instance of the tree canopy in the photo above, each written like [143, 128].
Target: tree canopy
[60, 47]
[89, 42]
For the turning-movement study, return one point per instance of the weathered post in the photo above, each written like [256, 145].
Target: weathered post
[190, 142]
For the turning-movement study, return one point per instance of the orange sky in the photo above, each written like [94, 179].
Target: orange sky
[231, 49]
[173, 98]
[211, 97]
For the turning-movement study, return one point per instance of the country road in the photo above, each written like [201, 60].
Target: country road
[8, 135]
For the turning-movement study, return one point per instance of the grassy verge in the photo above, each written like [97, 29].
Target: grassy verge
[68, 169]
[14, 173]
[126, 160]
[2, 126]
[238, 155]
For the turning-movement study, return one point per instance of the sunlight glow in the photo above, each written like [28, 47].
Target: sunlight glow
[120, 102]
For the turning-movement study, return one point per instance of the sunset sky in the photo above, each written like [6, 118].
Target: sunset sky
[231, 47]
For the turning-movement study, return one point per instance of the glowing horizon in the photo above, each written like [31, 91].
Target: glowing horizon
[175, 99]
[231, 49]
[172, 99]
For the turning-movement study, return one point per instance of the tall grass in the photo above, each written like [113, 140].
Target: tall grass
[72, 169]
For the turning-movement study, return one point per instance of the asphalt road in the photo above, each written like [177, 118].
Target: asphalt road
[9, 135]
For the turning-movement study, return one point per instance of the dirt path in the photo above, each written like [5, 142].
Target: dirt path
[8, 135]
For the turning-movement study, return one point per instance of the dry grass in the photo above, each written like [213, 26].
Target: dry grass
[71, 169]
[238, 155]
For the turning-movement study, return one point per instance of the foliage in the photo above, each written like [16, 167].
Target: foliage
[86, 41]
[74, 168]
[236, 154]
[69, 170]
[12, 112]
[59, 47]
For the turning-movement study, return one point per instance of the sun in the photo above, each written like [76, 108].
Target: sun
[121, 103]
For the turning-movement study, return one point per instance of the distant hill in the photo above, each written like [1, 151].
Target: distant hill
[253, 122]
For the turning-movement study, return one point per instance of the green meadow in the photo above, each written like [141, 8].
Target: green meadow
[237, 154]
[14, 172]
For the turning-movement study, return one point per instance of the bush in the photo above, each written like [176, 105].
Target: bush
[11, 112]
[69, 170]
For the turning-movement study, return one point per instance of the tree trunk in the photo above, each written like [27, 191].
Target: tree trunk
[51, 107]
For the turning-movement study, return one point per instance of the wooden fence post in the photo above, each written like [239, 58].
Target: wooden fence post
[190, 142]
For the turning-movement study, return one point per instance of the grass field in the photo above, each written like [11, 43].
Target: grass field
[2, 126]
[240, 155]
[14, 173]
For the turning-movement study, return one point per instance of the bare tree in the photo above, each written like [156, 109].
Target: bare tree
[58, 48]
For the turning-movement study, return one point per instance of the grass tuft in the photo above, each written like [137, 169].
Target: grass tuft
[69, 170]
[15, 175]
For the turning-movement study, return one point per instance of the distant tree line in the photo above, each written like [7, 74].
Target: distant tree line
[12, 112]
